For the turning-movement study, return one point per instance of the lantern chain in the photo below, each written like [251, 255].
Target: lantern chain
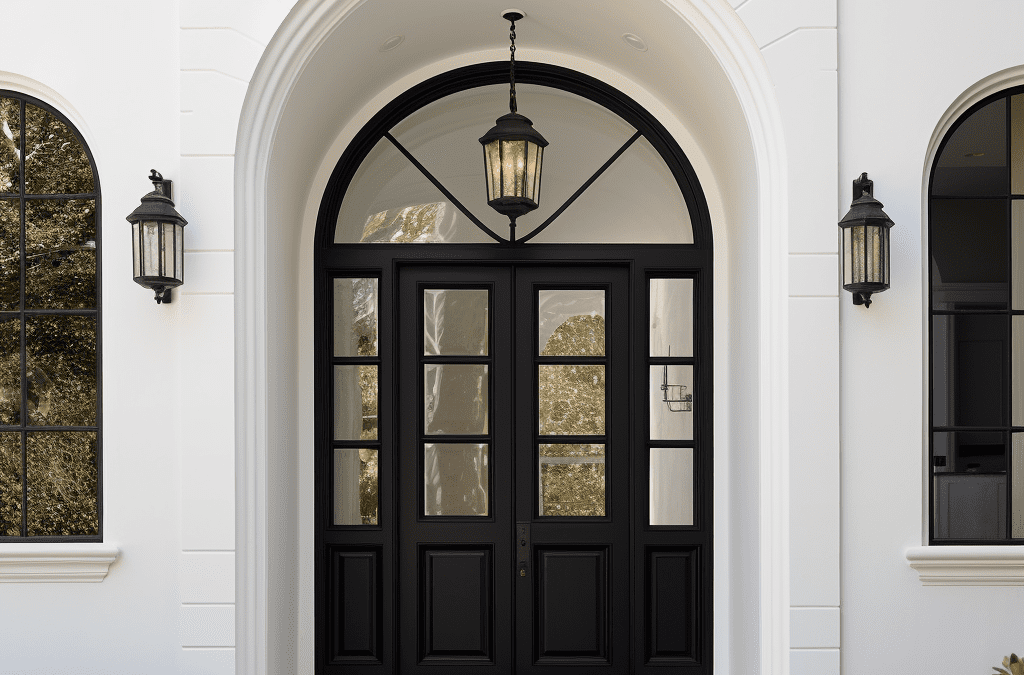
[512, 67]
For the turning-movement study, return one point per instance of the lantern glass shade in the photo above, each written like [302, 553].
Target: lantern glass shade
[865, 257]
[158, 252]
[513, 170]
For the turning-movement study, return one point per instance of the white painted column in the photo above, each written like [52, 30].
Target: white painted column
[799, 43]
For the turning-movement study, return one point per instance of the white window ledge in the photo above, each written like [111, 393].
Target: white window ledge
[968, 565]
[56, 563]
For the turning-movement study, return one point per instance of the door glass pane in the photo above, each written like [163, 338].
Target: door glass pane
[455, 398]
[671, 403]
[571, 400]
[1017, 145]
[455, 479]
[10, 252]
[1017, 476]
[671, 317]
[570, 323]
[355, 486]
[1017, 360]
[671, 497]
[973, 161]
[355, 403]
[969, 253]
[969, 370]
[355, 317]
[572, 479]
[455, 322]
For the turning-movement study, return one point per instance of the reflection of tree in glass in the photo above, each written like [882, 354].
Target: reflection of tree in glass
[60, 254]
[368, 394]
[368, 498]
[411, 224]
[10, 144]
[55, 161]
[364, 309]
[62, 497]
[571, 400]
[10, 484]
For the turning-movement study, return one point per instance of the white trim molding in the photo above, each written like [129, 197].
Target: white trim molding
[968, 565]
[56, 563]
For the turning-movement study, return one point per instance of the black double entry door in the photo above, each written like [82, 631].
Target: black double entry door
[514, 499]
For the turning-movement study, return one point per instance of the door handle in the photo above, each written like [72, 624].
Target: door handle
[522, 545]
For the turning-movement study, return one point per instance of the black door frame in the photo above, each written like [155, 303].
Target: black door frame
[364, 555]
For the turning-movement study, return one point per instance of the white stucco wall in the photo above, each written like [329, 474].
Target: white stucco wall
[902, 65]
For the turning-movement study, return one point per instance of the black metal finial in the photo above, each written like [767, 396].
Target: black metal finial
[512, 17]
[863, 187]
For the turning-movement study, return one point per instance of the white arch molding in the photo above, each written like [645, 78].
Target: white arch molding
[321, 78]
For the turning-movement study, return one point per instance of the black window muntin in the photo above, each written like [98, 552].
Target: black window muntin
[23, 314]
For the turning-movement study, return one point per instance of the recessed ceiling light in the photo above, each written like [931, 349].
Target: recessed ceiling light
[391, 43]
[634, 41]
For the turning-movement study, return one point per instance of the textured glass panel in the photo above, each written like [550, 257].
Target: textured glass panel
[455, 322]
[533, 155]
[572, 479]
[970, 376]
[513, 167]
[355, 317]
[10, 144]
[168, 253]
[61, 372]
[570, 323]
[1017, 494]
[355, 403]
[62, 486]
[10, 253]
[10, 484]
[973, 161]
[391, 201]
[492, 165]
[1017, 251]
[455, 399]
[10, 371]
[55, 161]
[136, 249]
[671, 497]
[671, 412]
[969, 242]
[356, 501]
[60, 254]
[1017, 145]
[455, 479]
[571, 400]
[671, 302]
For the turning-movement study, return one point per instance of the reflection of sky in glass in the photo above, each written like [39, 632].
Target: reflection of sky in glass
[556, 306]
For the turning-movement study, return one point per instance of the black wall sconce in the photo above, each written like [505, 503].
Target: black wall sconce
[158, 240]
[513, 151]
[864, 244]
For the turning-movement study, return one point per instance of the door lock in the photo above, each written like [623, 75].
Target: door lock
[523, 548]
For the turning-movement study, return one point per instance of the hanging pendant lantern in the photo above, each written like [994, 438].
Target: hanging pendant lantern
[864, 240]
[513, 153]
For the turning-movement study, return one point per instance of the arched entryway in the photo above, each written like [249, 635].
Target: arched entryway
[319, 82]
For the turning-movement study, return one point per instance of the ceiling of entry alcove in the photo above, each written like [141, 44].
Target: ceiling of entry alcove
[678, 69]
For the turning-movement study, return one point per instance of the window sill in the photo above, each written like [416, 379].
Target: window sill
[56, 563]
[968, 565]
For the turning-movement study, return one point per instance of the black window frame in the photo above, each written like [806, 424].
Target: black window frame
[1007, 428]
[23, 314]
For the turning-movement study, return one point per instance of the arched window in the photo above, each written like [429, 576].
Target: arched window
[976, 239]
[49, 327]
[513, 439]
